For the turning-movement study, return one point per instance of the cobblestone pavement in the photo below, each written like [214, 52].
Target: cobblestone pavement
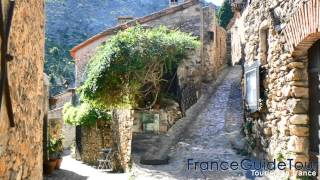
[72, 169]
[211, 137]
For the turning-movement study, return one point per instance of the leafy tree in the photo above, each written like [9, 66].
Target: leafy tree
[129, 68]
[70, 22]
[59, 66]
[225, 14]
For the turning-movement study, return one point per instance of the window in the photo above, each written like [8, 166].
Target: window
[264, 45]
[211, 35]
[252, 86]
[263, 42]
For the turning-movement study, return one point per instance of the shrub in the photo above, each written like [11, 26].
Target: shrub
[85, 114]
[129, 68]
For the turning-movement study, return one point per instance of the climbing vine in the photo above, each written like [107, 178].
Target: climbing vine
[128, 69]
[85, 114]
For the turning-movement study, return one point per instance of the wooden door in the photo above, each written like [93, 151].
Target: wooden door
[314, 100]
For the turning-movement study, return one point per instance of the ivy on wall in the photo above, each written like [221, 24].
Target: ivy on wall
[128, 72]
[130, 66]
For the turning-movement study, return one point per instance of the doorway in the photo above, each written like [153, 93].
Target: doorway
[314, 100]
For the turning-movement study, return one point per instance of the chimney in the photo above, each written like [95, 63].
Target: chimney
[173, 3]
[124, 19]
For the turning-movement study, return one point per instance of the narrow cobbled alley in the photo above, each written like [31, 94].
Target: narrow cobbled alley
[167, 89]
[213, 136]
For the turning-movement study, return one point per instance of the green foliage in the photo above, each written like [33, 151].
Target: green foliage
[85, 114]
[280, 157]
[59, 66]
[130, 66]
[55, 147]
[225, 14]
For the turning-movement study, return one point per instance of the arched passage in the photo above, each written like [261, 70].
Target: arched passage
[314, 93]
[302, 35]
[303, 29]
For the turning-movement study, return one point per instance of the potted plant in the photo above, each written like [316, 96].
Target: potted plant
[59, 152]
[55, 149]
[49, 167]
[51, 163]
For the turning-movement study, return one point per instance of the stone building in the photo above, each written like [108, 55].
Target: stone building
[21, 153]
[56, 126]
[282, 38]
[191, 16]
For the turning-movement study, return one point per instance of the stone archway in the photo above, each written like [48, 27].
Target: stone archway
[314, 93]
[303, 30]
[301, 33]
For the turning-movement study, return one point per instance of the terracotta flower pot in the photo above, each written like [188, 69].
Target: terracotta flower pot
[50, 166]
[58, 163]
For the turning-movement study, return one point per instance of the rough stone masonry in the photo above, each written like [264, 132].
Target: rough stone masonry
[278, 33]
[21, 146]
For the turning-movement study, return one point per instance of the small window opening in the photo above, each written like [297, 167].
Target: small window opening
[211, 35]
[264, 45]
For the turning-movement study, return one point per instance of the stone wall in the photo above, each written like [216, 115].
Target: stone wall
[58, 129]
[157, 120]
[122, 122]
[219, 50]
[189, 75]
[56, 126]
[237, 38]
[280, 128]
[188, 20]
[93, 139]
[21, 150]
[69, 135]
[59, 100]
[214, 45]
[116, 134]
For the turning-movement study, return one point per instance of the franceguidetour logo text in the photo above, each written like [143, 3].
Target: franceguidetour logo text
[257, 168]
